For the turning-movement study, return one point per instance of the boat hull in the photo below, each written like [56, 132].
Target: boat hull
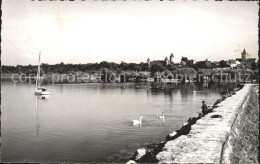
[39, 92]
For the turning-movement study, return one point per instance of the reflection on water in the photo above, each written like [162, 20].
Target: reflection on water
[84, 123]
[37, 127]
[37, 108]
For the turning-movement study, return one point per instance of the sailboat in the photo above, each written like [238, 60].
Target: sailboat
[40, 90]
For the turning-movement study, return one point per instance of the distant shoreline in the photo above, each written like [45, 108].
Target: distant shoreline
[162, 77]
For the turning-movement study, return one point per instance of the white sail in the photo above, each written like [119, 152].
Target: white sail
[39, 90]
[38, 72]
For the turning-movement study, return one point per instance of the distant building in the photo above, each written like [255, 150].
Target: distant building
[203, 64]
[148, 63]
[233, 63]
[183, 63]
[162, 62]
[215, 64]
[243, 55]
[190, 63]
[245, 62]
[185, 59]
[251, 60]
[166, 61]
[171, 58]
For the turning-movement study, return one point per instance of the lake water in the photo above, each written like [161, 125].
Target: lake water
[92, 122]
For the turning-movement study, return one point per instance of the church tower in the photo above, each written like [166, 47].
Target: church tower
[148, 62]
[166, 61]
[171, 58]
[243, 55]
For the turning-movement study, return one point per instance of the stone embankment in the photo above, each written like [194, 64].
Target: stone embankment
[202, 139]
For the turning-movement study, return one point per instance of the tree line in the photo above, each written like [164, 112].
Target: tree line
[109, 67]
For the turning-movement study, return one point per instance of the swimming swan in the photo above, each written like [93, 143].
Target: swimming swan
[137, 122]
[160, 116]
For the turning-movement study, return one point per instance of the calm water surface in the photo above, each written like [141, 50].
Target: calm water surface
[92, 122]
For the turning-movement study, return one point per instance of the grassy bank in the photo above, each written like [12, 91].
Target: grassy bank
[243, 143]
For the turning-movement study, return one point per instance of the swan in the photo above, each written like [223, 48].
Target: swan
[137, 122]
[160, 116]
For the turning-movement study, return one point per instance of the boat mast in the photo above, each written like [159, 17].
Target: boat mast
[38, 72]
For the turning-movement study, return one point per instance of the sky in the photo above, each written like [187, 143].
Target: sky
[130, 31]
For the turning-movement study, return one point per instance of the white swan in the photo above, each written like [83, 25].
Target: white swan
[137, 122]
[160, 116]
